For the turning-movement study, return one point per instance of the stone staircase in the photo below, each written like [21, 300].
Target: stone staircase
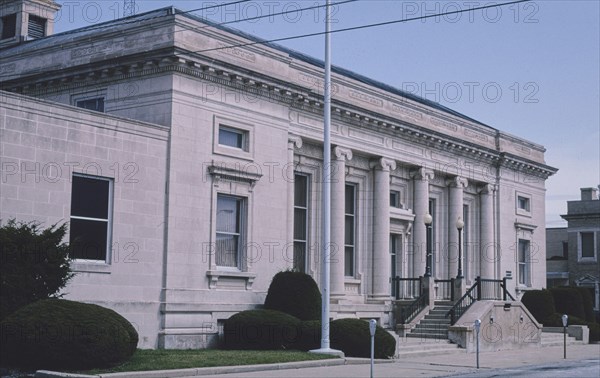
[408, 347]
[434, 325]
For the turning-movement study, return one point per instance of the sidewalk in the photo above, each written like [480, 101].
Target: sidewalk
[414, 366]
[440, 365]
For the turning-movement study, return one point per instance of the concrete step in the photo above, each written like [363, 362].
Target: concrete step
[423, 336]
[425, 329]
[427, 347]
[556, 339]
[439, 322]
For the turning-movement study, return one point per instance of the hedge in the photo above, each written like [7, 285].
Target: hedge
[61, 334]
[540, 303]
[294, 293]
[568, 300]
[261, 330]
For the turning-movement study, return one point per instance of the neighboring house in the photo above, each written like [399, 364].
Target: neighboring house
[557, 256]
[189, 171]
[578, 263]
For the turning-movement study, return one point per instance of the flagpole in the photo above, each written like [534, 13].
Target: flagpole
[326, 197]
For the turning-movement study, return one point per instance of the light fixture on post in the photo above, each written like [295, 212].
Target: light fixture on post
[459, 226]
[428, 223]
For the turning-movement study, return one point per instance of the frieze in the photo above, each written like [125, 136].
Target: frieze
[8, 68]
[407, 148]
[366, 98]
[441, 123]
[316, 84]
[366, 137]
[407, 112]
[236, 52]
[473, 134]
[90, 50]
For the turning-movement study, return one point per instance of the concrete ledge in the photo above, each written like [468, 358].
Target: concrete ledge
[209, 370]
[579, 332]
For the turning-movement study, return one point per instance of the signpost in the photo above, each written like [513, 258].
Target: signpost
[372, 328]
[477, 327]
[565, 321]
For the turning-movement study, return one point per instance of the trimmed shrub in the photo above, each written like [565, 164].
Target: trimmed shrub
[310, 336]
[261, 330]
[26, 248]
[588, 303]
[352, 337]
[56, 333]
[568, 300]
[540, 303]
[294, 293]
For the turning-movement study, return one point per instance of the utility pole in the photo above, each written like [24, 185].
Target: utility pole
[128, 8]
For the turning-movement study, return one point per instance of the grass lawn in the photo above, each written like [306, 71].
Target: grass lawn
[146, 359]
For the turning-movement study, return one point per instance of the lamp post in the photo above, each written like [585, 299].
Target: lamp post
[459, 226]
[428, 222]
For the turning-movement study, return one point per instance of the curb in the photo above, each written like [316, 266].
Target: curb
[210, 370]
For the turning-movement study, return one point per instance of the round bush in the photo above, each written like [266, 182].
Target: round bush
[568, 301]
[261, 330]
[294, 293]
[352, 337]
[56, 333]
[310, 336]
[540, 303]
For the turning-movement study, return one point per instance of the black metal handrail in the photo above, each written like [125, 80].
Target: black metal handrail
[482, 289]
[407, 288]
[445, 289]
[408, 313]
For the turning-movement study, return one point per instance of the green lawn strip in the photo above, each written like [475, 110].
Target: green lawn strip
[147, 359]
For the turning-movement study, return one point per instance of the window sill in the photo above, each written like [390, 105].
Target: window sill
[215, 275]
[82, 266]
[587, 260]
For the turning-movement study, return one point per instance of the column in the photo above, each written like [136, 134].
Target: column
[338, 196]
[455, 210]
[381, 227]
[487, 256]
[421, 179]
[293, 142]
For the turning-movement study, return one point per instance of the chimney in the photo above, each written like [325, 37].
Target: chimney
[589, 194]
[24, 20]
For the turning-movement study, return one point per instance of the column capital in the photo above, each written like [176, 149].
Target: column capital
[486, 188]
[457, 182]
[424, 174]
[294, 141]
[342, 153]
[383, 164]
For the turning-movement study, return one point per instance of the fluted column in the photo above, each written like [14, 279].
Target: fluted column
[421, 179]
[381, 227]
[487, 255]
[338, 196]
[293, 142]
[456, 186]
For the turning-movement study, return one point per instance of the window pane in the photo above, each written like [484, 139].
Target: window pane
[9, 26]
[300, 224]
[350, 202]
[300, 190]
[300, 256]
[96, 104]
[349, 261]
[232, 138]
[228, 209]
[227, 250]
[88, 239]
[89, 197]
[349, 230]
[587, 244]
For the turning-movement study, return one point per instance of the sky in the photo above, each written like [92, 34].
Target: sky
[530, 69]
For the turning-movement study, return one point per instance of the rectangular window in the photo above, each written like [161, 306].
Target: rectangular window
[432, 210]
[36, 27]
[96, 104]
[301, 190]
[90, 217]
[523, 203]
[466, 255]
[230, 234]
[350, 230]
[9, 26]
[395, 252]
[587, 245]
[395, 199]
[565, 250]
[231, 137]
[524, 260]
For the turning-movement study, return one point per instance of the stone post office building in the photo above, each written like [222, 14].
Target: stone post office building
[189, 173]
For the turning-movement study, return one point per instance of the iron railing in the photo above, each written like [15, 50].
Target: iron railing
[408, 313]
[406, 288]
[482, 289]
[445, 290]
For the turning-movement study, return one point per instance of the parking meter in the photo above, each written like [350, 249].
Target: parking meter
[477, 327]
[372, 329]
[565, 321]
